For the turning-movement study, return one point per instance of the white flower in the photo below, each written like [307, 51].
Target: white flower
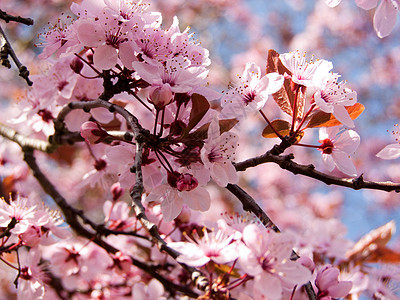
[216, 155]
[336, 148]
[332, 97]
[251, 93]
[215, 246]
[304, 72]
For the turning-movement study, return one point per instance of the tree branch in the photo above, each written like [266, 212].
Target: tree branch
[7, 18]
[286, 162]
[7, 50]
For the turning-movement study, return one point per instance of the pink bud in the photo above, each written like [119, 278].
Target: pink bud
[116, 191]
[307, 262]
[328, 283]
[76, 65]
[92, 132]
[161, 96]
[100, 164]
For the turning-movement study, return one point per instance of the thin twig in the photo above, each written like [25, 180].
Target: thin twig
[6, 17]
[23, 71]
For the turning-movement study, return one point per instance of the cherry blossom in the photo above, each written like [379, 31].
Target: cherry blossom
[336, 147]
[216, 155]
[304, 72]
[31, 278]
[180, 189]
[329, 285]
[21, 210]
[252, 92]
[150, 291]
[266, 255]
[332, 97]
[214, 246]
[125, 126]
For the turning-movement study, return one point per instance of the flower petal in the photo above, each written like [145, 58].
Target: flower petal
[385, 18]
[391, 151]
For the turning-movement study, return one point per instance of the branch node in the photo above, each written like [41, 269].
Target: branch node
[358, 182]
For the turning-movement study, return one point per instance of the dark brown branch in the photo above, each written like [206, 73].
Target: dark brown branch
[7, 50]
[250, 205]
[286, 162]
[6, 17]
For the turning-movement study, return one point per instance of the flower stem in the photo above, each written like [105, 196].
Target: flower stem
[270, 124]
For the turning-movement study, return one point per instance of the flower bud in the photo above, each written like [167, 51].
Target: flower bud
[100, 164]
[161, 96]
[93, 133]
[76, 65]
[116, 191]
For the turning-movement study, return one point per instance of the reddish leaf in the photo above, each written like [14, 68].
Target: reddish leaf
[285, 97]
[383, 255]
[202, 132]
[281, 97]
[280, 126]
[200, 106]
[323, 119]
[372, 242]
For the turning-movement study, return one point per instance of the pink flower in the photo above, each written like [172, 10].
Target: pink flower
[172, 199]
[384, 17]
[177, 72]
[265, 255]
[22, 211]
[328, 284]
[31, 277]
[217, 153]
[332, 97]
[92, 132]
[304, 72]
[336, 148]
[60, 39]
[105, 35]
[252, 92]
[213, 246]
